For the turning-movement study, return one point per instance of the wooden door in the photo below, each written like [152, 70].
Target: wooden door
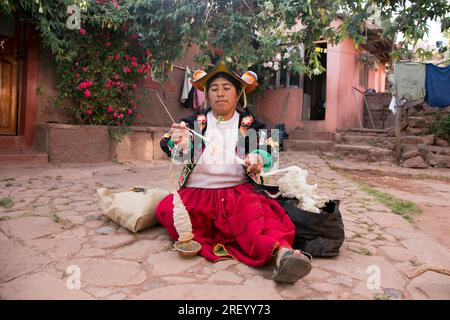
[8, 94]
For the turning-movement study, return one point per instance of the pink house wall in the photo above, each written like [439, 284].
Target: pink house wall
[349, 113]
[377, 78]
[341, 110]
[152, 112]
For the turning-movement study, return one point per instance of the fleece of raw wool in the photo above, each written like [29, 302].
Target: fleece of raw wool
[294, 185]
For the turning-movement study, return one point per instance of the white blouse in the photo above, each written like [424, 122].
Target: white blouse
[216, 168]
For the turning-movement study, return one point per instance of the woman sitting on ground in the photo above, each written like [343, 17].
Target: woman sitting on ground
[229, 218]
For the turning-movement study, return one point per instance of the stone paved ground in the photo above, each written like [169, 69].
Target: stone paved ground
[56, 223]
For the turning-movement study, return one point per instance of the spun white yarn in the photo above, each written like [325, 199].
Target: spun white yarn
[294, 185]
[181, 219]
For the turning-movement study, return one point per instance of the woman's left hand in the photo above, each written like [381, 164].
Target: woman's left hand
[254, 163]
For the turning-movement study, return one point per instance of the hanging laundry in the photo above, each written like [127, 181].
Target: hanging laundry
[437, 85]
[199, 99]
[393, 105]
[409, 80]
[186, 86]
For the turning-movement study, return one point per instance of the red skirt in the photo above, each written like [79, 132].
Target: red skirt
[232, 222]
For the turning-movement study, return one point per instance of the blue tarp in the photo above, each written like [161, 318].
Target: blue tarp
[437, 86]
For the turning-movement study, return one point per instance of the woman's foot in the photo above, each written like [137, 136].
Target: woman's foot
[291, 265]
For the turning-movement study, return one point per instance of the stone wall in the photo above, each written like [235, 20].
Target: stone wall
[421, 148]
[140, 143]
[78, 144]
[152, 113]
[90, 144]
[378, 104]
[46, 90]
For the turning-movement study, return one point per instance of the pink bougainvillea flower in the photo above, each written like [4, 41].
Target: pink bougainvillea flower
[116, 5]
[148, 52]
[116, 77]
[130, 111]
[134, 35]
[134, 64]
[83, 85]
[77, 75]
[127, 57]
[118, 83]
[113, 83]
[141, 70]
[109, 109]
[117, 56]
[89, 83]
[108, 44]
[133, 59]
[85, 69]
[87, 93]
[115, 115]
[147, 78]
[82, 31]
[121, 115]
[89, 112]
[134, 86]
[127, 69]
[108, 85]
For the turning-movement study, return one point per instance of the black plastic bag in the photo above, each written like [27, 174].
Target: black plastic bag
[320, 234]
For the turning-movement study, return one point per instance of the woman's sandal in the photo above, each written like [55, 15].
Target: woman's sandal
[292, 267]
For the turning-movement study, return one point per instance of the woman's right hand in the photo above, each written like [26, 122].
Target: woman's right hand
[179, 133]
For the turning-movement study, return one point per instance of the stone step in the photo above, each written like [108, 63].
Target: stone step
[11, 144]
[428, 139]
[311, 135]
[366, 132]
[374, 141]
[416, 122]
[439, 150]
[445, 151]
[24, 157]
[308, 145]
[364, 152]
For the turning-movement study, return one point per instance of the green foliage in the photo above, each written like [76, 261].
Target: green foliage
[440, 127]
[423, 54]
[248, 33]
[6, 203]
[381, 297]
[102, 80]
[404, 208]
[54, 217]
[117, 134]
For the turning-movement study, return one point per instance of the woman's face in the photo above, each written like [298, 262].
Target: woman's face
[222, 96]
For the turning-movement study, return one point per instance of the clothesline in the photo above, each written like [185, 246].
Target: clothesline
[425, 63]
